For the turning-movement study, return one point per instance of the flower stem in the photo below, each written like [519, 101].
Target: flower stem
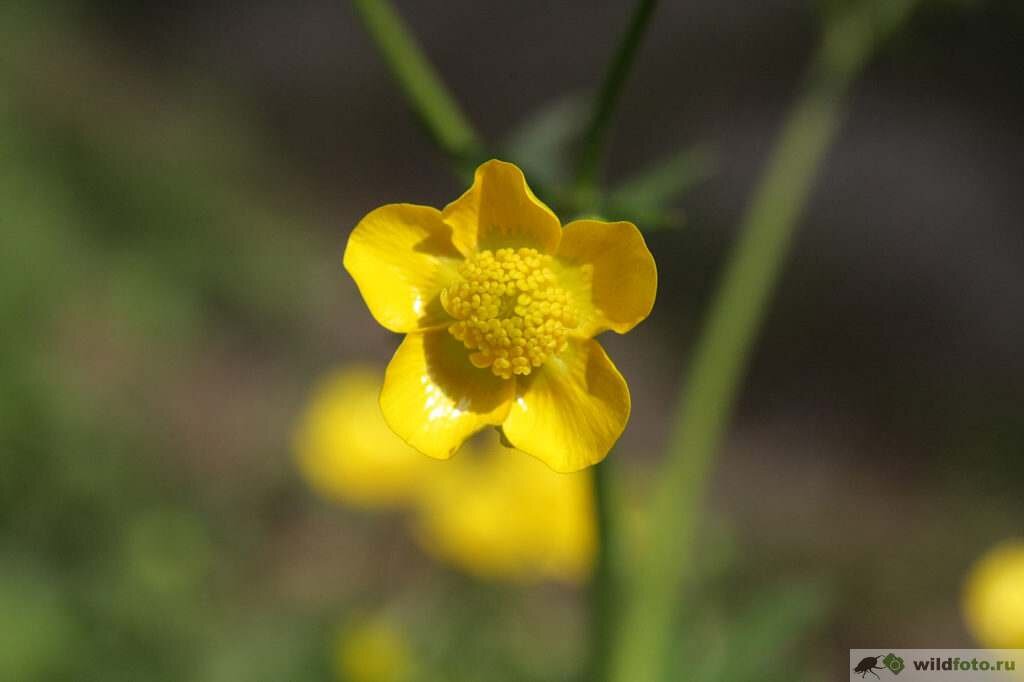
[603, 599]
[722, 350]
[603, 582]
[427, 94]
[595, 138]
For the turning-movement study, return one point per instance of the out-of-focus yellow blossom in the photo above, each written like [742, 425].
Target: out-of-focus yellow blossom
[504, 515]
[373, 651]
[500, 304]
[347, 452]
[994, 597]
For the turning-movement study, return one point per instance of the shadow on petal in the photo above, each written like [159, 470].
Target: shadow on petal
[499, 210]
[439, 243]
[434, 398]
[401, 257]
[571, 411]
[470, 388]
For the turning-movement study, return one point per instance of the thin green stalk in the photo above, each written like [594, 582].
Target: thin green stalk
[603, 582]
[438, 111]
[722, 350]
[603, 586]
[596, 134]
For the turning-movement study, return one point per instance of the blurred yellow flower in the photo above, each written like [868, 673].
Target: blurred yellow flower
[373, 651]
[994, 597]
[496, 514]
[346, 451]
[500, 304]
[505, 515]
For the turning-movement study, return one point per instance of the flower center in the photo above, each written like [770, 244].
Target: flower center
[509, 310]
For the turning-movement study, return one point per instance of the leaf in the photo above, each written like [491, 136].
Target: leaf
[647, 197]
[542, 143]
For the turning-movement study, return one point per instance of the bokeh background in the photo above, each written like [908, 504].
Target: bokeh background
[178, 181]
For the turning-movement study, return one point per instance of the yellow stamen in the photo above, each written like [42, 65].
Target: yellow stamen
[510, 310]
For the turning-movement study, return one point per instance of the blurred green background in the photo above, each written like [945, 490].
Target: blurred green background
[178, 181]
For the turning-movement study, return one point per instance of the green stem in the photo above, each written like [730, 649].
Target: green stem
[603, 582]
[603, 598]
[607, 97]
[723, 348]
[438, 111]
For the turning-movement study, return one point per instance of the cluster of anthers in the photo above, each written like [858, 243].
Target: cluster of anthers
[509, 310]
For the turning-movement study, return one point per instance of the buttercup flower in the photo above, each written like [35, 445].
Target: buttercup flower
[994, 597]
[345, 450]
[500, 304]
[372, 651]
[504, 515]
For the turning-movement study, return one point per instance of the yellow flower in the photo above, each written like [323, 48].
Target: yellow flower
[345, 450]
[500, 304]
[373, 651]
[994, 597]
[505, 515]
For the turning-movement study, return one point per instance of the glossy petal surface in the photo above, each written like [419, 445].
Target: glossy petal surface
[499, 211]
[434, 399]
[611, 272]
[571, 411]
[401, 256]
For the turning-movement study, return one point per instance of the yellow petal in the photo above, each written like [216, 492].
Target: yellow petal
[401, 256]
[346, 451]
[994, 597]
[612, 272]
[434, 398]
[569, 412]
[499, 210]
[504, 515]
